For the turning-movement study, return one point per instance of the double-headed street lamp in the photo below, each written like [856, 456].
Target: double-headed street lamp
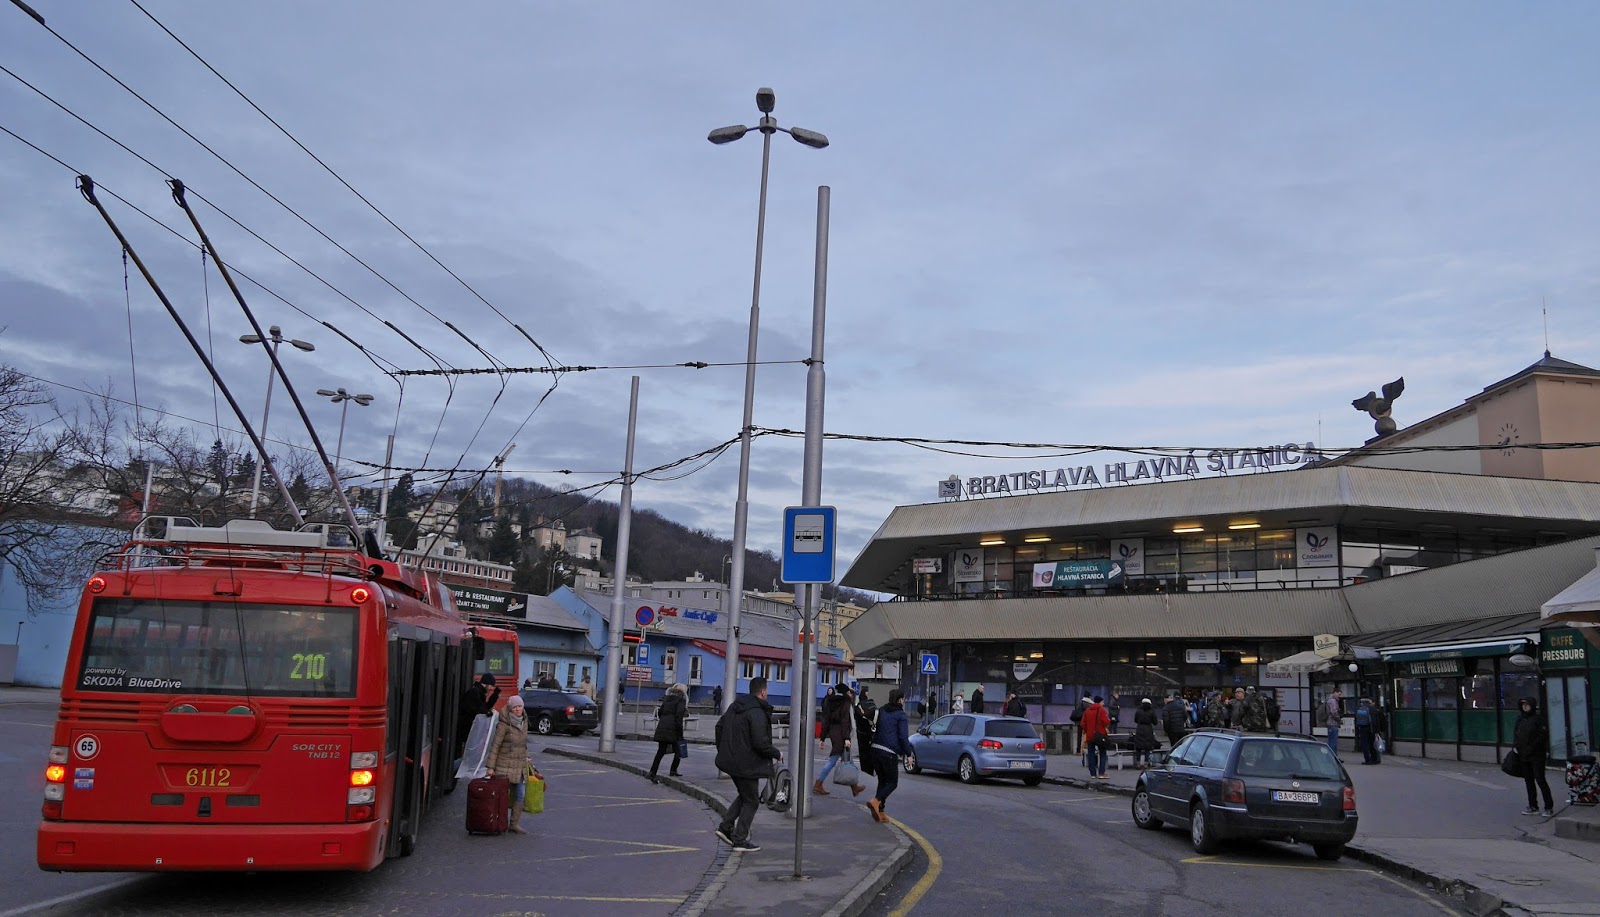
[343, 399]
[768, 125]
[275, 336]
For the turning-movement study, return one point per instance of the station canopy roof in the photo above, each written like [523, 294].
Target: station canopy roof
[1579, 603]
[1339, 495]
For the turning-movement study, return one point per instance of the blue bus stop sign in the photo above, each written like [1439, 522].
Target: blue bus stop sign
[808, 544]
[644, 654]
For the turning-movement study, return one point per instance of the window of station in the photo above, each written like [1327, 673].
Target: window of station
[1374, 553]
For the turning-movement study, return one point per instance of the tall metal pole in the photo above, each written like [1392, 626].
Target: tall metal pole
[266, 411]
[803, 693]
[338, 450]
[613, 666]
[383, 498]
[741, 506]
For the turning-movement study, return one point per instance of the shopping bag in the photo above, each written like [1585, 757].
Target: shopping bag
[845, 773]
[533, 800]
[683, 748]
[473, 760]
[1381, 745]
[1512, 764]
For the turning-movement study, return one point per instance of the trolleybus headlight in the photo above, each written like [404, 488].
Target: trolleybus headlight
[55, 773]
[58, 754]
[360, 594]
[361, 778]
[364, 759]
[55, 792]
[362, 795]
[97, 584]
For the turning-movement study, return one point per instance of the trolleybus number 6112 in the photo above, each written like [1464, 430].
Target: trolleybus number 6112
[310, 666]
[208, 776]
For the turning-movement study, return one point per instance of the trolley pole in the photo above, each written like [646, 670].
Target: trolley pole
[613, 666]
[802, 693]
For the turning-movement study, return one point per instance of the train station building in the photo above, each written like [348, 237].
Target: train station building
[1412, 571]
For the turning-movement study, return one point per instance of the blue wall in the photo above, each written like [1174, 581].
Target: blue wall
[45, 635]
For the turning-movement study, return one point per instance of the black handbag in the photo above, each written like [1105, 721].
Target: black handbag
[1512, 764]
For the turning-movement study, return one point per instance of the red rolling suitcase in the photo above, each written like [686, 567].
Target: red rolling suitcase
[488, 799]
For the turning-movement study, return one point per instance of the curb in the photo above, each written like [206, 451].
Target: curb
[1476, 900]
[853, 902]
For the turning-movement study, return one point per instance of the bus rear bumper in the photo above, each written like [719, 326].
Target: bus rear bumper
[119, 847]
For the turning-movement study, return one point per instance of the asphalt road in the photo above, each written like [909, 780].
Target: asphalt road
[607, 843]
[1008, 849]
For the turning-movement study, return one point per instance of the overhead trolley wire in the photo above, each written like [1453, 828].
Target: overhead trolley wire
[340, 178]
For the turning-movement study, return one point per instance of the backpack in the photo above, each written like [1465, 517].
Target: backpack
[1363, 716]
[1274, 714]
[1077, 713]
[1253, 718]
[1213, 716]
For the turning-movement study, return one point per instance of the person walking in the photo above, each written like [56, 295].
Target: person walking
[1144, 733]
[1532, 741]
[838, 719]
[1175, 718]
[586, 687]
[890, 742]
[1213, 715]
[1235, 709]
[669, 729]
[958, 703]
[477, 700]
[1364, 733]
[508, 756]
[1077, 720]
[746, 754]
[1096, 737]
[1332, 717]
[977, 699]
[1015, 707]
[716, 700]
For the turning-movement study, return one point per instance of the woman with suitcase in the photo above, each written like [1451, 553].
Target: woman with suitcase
[508, 757]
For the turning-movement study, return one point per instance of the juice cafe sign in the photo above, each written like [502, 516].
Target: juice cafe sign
[1158, 468]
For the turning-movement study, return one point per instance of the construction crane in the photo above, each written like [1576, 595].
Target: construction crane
[499, 476]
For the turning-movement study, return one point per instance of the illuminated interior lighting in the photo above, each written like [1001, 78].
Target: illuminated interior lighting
[1035, 655]
[991, 542]
[1187, 529]
[1236, 526]
[1036, 539]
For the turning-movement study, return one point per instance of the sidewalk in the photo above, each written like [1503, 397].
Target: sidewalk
[1456, 827]
[847, 857]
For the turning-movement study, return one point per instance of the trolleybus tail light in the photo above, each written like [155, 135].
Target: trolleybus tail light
[55, 773]
[991, 743]
[55, 792]
[360, 594]
[97, 584]
[361, 778]
[58, 754]
[361, 795]
[1233, 791]
[1349, 799]
[358, 813]
[367, 759]
[51, 811]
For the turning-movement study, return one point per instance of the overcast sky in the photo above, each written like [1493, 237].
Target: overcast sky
[1180, 224]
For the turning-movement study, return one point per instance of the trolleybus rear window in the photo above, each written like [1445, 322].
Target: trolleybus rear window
[497, 658]
[155, 646]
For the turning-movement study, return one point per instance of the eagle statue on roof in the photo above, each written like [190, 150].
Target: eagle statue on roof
[1379, 408]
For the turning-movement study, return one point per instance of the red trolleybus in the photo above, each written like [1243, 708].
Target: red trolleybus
[242, 698]
[500, 660]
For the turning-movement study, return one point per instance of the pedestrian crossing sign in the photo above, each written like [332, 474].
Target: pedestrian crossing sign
[930, 663]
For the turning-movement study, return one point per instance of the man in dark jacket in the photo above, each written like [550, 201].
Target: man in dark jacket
[477, 700]
[1015, 706]
[1175, 718]
[745, 753]
[977, 699]
[1532, 740]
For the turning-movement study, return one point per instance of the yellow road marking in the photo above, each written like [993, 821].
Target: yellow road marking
[935, 866]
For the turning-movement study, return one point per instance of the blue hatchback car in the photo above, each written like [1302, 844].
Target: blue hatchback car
[973, 746]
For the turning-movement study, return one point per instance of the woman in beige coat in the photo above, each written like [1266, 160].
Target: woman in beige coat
[508, 755]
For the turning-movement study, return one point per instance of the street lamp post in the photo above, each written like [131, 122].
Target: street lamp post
[766, 100]
[343, 399]
[275, 336]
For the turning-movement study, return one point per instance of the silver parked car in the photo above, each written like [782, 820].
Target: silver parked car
[973, 746]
